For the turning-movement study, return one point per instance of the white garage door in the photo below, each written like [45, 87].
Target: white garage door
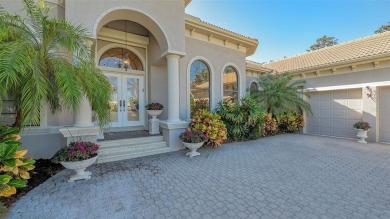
[335, 112]
[384, 114]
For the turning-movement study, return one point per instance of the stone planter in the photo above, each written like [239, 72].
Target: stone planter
[154, 113]
[193, 147]
[362, 135]
[79, 167]
[154, 123]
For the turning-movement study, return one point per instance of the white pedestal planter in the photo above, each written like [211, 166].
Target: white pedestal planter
[193, 147]
[79, 167]
[362, 135]
[154, 123]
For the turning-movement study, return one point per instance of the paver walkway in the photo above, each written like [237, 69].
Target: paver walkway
[288, 176]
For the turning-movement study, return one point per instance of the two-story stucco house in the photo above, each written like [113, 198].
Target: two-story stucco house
[150, 51]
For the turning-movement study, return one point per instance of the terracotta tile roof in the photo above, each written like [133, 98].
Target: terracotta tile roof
[360, 49]
[256, 66]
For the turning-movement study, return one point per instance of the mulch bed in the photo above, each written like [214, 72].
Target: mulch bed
[44, 169]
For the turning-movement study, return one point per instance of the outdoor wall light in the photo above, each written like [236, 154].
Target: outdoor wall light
[369, 92]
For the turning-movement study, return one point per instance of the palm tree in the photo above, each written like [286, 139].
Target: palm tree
[280, 93]
[48, 60]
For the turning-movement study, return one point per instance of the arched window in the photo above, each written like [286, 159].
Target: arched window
[253, 88]
[230, 84]
[200, 86]
[121, 58]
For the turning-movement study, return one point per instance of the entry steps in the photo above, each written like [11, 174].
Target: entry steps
[123, 149]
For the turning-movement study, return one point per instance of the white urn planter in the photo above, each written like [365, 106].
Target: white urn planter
[154, 123]
[79, 167]
[193, 147]
[362, 135]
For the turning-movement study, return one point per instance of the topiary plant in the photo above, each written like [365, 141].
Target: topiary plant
[243, 120]
[13, 167]
[211, 125]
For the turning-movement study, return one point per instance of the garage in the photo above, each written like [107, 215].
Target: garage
[384, 114]
[335, 112]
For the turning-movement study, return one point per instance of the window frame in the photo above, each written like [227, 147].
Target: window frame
[211, 81]
[238, 74]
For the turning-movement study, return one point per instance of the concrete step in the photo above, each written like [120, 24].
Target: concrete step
[130, 141]
[132, 147]
[133, 154]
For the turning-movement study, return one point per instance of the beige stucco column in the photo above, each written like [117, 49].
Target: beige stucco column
[83, 117]
[173, 88]
[83, 129]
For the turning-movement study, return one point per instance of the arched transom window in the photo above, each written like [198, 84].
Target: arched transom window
[200, 86]
[230, 84]
[121, 58]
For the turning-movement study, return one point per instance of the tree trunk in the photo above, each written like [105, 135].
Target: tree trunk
[18, 119]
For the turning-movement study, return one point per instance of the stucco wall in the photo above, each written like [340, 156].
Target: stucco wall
[164, 18]
[218, 58]
[42, 145]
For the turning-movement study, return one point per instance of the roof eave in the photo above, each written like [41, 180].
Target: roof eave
[331, 65]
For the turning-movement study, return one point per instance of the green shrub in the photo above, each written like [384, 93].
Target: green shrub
[243, 120]
[13, 166]
[291, 122]
[270, 126]
[211, 125]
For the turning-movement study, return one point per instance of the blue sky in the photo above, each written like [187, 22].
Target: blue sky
[289, 27]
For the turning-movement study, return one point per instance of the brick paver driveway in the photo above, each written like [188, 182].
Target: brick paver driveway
[288, 176]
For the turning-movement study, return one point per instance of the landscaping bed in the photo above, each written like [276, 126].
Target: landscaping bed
[44, 169]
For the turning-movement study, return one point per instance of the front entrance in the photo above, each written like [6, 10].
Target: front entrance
[127, 101]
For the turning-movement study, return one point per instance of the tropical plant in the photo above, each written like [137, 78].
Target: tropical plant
[48, 60]
[362, 125]
[243, 120]
[154, 106]
[280, 93]
[291, 122]
[193, 136]
[270, 126]
[76, 151]
[211, 125]
[13, 166]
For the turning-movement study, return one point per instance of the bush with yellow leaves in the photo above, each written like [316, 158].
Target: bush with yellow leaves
[211, 125]
[13, 166]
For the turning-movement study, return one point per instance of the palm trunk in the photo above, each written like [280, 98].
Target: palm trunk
[18, 119]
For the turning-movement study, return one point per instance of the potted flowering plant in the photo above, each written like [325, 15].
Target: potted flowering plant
[362, 128]
[193, 139]
[77, 156]
[154, 109]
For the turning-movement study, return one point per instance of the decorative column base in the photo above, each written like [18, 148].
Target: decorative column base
[154, 126]
[81, 133]
[171, 133]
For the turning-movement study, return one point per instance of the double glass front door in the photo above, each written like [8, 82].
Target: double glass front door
[127, 101]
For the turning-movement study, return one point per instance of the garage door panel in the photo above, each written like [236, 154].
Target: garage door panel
[352, 114]
[340, 113]
[335, 112]
[323, 130]
[339, 122]
[325, 113]
[384, 114]
[355, 104]
[325, 104]
[325, 121]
